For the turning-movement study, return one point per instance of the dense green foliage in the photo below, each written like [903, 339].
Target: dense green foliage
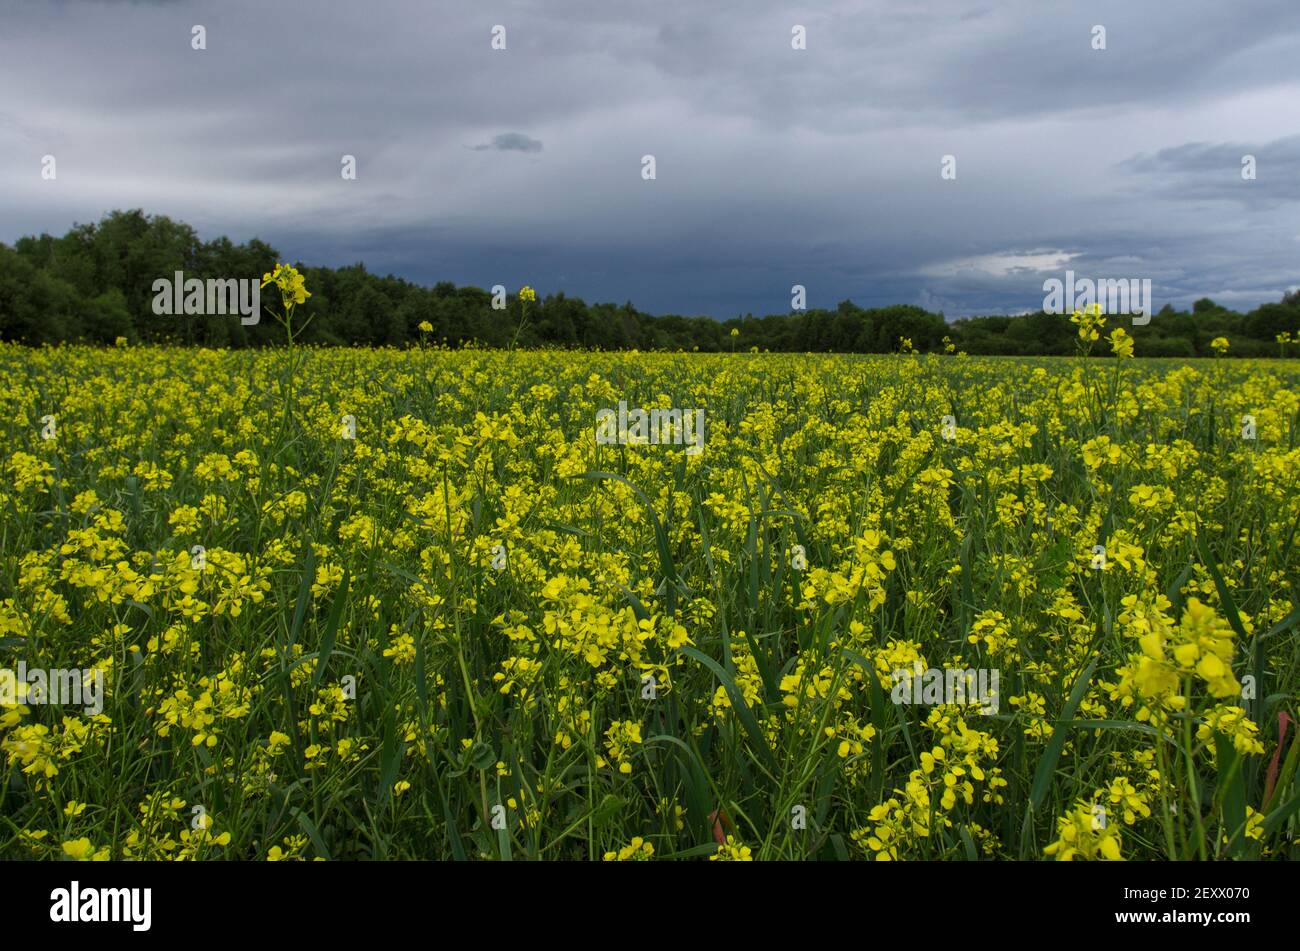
[94, 284]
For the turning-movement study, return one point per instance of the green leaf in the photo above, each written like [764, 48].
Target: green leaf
[1225, 595]
[313, 833]
[746, 715]
[1047, 765]
[972, 855]
[608, 809]
[304, 595]
[1281, 814]
[390, 758]
[331, 630]
[482, 756]
[1231, 790]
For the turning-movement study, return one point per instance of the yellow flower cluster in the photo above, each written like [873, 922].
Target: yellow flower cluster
[1090, 320]
[1201, 645]
[291, 284]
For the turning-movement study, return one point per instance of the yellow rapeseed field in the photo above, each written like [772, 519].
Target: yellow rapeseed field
[409, 604]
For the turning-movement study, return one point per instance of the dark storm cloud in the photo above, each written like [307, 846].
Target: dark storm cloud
[775, 166]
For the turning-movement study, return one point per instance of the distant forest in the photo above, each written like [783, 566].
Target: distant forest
[95, 283]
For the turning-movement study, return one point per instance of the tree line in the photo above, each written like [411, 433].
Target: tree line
[95, 285]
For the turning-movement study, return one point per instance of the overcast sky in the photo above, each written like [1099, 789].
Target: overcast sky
[774, 166]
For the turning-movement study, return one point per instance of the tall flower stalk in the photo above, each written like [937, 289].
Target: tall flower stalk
[293, 292]
[526, 296]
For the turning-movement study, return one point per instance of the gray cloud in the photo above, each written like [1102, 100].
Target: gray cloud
[509, 142]
[1207, 171]
[775, 166]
